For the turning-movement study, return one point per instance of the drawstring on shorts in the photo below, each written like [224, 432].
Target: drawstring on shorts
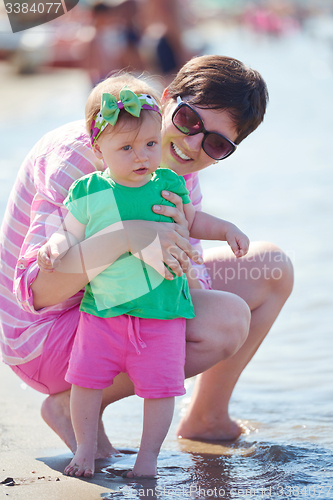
[133, 330]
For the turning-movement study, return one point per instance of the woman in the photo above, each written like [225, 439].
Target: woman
[230, 100]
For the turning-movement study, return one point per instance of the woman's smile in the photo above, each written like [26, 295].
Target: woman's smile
[180, 153]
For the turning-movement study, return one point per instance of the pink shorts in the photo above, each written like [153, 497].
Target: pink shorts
[151, 351]
[205, 284]
[46, 373]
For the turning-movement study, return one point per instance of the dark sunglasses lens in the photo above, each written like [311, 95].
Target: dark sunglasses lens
[217, 147]
[187, 121]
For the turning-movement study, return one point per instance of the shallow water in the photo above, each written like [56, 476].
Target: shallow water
[277, 187]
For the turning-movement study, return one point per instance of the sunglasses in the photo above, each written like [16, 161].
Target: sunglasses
[189, 122]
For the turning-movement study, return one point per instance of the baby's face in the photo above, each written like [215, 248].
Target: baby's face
[132, 155]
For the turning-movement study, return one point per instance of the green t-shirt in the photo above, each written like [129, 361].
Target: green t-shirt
[129, 286]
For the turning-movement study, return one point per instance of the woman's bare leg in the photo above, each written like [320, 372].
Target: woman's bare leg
[264, 279]
[56, 413]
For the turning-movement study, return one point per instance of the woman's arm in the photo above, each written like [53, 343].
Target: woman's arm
[90, 257]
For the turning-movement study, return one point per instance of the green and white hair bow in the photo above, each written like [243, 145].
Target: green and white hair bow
[110, 109]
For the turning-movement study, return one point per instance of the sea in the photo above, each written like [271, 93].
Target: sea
[277, 187]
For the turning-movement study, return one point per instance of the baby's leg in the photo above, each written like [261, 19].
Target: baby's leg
[85, 408]
[156, 422]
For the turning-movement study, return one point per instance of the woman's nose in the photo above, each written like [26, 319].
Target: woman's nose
[193, 142]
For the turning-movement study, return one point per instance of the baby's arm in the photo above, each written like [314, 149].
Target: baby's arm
[207, 227]
[70, 233]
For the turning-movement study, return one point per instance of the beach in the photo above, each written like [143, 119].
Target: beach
[277, 187]
[31, 454]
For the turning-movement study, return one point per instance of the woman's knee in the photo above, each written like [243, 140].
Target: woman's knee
[278, 271]
[238, 324]
[221, 322]
[233, 323]
[122, 387]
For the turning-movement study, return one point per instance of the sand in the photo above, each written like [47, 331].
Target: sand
[33, 456]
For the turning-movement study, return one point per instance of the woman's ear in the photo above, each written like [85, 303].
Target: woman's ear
[165, 96]
[97, 151]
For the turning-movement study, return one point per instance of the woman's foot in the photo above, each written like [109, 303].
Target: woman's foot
[56, 413]
[204, 428]
[83, 463]
[104, 447]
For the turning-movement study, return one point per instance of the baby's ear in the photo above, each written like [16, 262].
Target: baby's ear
[97, 151]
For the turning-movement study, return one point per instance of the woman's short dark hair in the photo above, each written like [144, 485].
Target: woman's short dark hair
[224, 83]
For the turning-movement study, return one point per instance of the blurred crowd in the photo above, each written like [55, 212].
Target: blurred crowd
[147, 34]
[105, 36]
[139, 34]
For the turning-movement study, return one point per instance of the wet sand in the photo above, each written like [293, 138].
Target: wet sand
[31, 454]
[33, 458]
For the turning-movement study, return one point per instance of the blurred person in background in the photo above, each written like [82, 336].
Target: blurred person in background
[116, 40]
[162, 25]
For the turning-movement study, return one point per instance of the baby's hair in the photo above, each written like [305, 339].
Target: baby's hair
[113, 85]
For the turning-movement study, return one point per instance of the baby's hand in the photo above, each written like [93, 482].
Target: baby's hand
[46, 258]
[238, 241]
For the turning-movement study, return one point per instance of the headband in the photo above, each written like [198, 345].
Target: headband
[110, 108]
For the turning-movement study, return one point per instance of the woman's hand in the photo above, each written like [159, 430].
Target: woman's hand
[159, 243]
[176, 213]
[180, 251]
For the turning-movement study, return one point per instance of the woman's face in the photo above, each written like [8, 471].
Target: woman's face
[183, 153]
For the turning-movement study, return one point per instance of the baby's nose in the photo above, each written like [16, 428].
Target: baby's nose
[141, 156]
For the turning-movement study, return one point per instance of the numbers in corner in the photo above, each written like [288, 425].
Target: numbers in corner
[35, 8]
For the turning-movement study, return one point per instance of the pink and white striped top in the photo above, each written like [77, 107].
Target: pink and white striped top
[32, 214]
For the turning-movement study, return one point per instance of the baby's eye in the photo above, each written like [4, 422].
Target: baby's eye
[151, 143]
[127, 148]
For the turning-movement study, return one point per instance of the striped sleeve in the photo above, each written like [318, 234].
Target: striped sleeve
[31, 214]
[54, 171]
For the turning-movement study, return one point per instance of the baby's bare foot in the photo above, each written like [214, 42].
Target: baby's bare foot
[130, 474]
[56, 413]
[82, 464]
[145, 465]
